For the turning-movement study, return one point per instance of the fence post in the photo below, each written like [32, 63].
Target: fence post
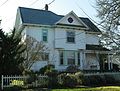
[2, 83]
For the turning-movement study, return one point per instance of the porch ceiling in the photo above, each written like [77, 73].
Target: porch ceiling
[96, 47]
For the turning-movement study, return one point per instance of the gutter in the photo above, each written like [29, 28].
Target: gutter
[54, 26]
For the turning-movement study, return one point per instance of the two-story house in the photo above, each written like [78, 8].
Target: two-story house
[72, 40]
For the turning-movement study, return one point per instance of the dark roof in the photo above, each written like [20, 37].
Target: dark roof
[91, 26]
[35, 16]
[96, 47]
[45, 17]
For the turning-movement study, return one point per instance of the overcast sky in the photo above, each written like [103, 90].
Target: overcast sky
[8, 9]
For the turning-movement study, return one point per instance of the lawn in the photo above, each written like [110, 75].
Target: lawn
[107, 88]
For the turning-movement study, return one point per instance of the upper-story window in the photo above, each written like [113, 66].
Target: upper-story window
[71, 36]
[45, 35]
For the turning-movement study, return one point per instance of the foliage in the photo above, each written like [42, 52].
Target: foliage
[11, 50]
[15, 88]
[72, 69]
[112, 79]
[46, 68]
[79, 76]
[31, 76]
[94, 80]
[101, 80]
[68, 80]
[53, 80]
[51, 73]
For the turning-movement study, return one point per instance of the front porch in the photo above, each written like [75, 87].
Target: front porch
[89, 59]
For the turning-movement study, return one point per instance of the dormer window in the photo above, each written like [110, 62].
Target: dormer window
[70, 20]
[71, 36]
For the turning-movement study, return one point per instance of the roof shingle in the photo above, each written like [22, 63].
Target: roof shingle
[44, 17]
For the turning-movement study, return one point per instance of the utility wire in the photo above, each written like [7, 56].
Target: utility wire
[3, 3]
[49, 3]
[33, 2]
[103, 27]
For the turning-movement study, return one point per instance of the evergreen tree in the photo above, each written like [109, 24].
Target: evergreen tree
[11, 50]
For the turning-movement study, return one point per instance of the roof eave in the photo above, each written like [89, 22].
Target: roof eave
[37, 25]
[95, 32]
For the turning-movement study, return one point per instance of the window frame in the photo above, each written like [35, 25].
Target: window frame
[69, 58]
[45, 34]
[70, 38]
[44, 56]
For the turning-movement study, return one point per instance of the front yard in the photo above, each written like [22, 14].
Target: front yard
[105, 88]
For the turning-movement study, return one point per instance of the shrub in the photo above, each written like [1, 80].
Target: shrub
[31, 76]
[72, 69]
[52, 77]
[46, 68]
[68, 80]
[79, 76]
[110, 79]
[94, 80]
[14, 88]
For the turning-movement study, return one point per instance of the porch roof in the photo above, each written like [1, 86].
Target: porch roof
[96, 47]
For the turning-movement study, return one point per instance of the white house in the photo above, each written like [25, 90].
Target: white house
[72, 40]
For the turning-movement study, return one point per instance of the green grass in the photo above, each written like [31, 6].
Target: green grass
[107, 88]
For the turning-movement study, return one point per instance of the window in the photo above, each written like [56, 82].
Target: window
[70, 20]
[71, 57]
[71, 36]
[45, 35]
[78, 58]
[40, 56]
[61, 57]
[45, 56]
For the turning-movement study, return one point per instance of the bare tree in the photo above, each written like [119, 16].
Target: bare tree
[109, 14]
[35, 51]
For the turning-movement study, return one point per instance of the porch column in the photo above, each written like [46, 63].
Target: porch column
[76, 58]
[111, 62]
[81, 59]
[98, 59]
[65, 58]
[108, 62]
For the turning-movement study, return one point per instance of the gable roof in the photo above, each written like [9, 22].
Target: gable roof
[35, 16]
[45, 17]
[91, 26]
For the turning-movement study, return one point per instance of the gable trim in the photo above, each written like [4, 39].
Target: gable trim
[85, 26]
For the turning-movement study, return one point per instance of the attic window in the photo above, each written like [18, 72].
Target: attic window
[70, 20]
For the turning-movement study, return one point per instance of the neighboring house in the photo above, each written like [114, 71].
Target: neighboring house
[72, 40]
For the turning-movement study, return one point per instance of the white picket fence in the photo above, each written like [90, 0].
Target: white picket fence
[9, 81]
